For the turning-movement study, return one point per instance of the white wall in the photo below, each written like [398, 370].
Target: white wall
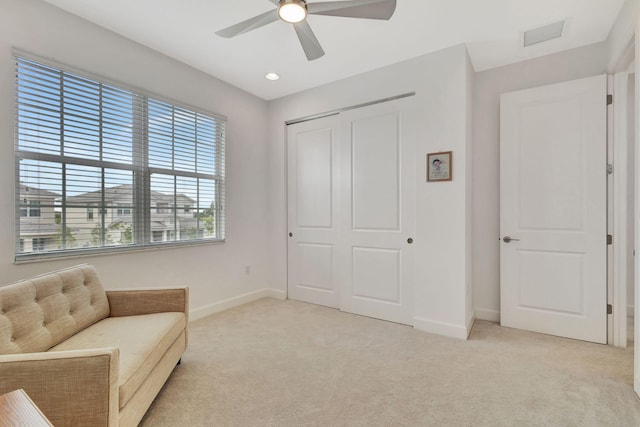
[622, 34]
[470, 83]
[568, 65]
[214, 272]
[442, 82]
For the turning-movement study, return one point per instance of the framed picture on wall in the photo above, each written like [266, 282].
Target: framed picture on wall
[440, 166]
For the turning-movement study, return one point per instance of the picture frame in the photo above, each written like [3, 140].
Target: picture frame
[440, 166]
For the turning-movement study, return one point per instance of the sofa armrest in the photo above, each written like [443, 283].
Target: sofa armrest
[131, 302]
[77, 387]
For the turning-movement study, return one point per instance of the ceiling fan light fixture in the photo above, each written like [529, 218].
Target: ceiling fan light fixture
[292, 11]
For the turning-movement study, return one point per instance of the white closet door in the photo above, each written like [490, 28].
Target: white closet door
[313, 211]
[378, 210]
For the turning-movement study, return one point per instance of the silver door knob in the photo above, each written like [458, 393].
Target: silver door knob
[508, 239]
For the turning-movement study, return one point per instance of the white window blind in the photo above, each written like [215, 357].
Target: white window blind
[101, 167]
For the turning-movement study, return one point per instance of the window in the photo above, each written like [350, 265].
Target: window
[38, 244]
[30, 209]
[24, 210]
[113, 165]
[123, 209]
[34, 208]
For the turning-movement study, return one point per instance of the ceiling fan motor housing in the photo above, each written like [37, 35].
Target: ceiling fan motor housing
[292, 11]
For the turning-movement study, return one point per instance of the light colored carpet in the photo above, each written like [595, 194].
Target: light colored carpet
[286, 363]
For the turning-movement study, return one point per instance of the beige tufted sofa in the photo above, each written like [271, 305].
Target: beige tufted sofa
[88, 357]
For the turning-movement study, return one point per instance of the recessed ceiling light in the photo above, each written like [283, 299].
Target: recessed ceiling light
[272, 76]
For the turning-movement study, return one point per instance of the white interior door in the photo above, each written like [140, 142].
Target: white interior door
[553, 160]
[313, 181]
[378, 201]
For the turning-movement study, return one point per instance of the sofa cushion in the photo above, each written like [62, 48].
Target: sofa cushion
[40, 312]
[142, 341]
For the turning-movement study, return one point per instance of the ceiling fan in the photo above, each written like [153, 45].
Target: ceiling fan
[295, 12]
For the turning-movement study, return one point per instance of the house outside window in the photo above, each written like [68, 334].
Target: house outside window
[38, 219]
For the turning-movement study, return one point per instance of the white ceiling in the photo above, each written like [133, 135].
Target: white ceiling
[492, 29]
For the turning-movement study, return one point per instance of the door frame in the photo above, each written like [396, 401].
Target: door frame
[625, 44]
[619, 206]
[635, 48]
[624, 47]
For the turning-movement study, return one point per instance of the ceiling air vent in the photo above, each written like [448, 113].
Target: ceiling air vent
[542, 34]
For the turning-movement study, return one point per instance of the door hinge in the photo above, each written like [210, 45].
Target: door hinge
[609, 99]
[609, 239]
[609, 309]
[609, 169]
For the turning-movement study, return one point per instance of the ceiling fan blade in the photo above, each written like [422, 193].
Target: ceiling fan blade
[276, 2]
[308, 40]
[249, 24]
[368, 9]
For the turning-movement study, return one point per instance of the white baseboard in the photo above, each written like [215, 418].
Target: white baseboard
[219, 306]
[487, 314]
[442, 328]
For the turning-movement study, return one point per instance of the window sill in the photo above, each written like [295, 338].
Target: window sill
[83, 253]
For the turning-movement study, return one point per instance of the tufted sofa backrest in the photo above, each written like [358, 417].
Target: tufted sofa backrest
[38, 313]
